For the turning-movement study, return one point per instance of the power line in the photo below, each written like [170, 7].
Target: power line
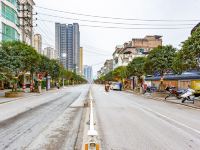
[92, 47]
[46, 28]
[91, 52]
[45, 34]
[118, 23]
[118, 18]
[45, 39]
[128, 28]
[100, 63]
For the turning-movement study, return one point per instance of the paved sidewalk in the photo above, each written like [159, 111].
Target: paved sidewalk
[4, 99]
[170, 99]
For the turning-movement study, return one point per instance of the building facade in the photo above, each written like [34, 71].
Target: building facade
[9, 20]
[49, 52]
[67, 42]
[88, 73]
[108, 66]
[37, 43]
[81, 61]
[125, 53]
[16, 20]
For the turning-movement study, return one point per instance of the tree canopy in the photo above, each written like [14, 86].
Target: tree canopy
[136, 67]
[18, 58]
[160, 60]
[188, 58]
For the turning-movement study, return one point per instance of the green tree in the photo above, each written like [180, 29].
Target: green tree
[109, 76]
[160, 60]
[136, 68]
[16, 58]
[189, 55]
[55, 70]
[120, 73]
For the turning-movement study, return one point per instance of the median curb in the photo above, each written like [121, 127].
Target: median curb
[161, 99]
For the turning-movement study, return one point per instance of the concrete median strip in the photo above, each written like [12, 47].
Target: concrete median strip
[90, 136]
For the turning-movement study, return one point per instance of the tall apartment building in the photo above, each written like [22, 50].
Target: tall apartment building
[88, 73]
[49, 52]
[37, 43]
[81, 61]
[9, 21]
[67, 43]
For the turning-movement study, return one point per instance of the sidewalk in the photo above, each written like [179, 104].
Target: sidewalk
[169, 100]
[4, 99]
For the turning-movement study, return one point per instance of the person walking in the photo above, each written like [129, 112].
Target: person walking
[120, 86]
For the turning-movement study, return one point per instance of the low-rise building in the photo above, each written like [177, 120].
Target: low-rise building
[123, 55]
[108, 66]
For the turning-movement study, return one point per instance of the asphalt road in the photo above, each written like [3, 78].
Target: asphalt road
[20, 131]
[130, 122]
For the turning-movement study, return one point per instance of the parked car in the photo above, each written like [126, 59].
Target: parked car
[115, 86]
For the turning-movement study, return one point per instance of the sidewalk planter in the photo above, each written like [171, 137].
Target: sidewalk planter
[197, 103]
[14, 94]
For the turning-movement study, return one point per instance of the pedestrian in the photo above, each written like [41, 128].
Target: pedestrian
[120, 86]
[57, 84]
[107, 87]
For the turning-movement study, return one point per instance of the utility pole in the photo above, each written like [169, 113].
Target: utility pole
[26, 20]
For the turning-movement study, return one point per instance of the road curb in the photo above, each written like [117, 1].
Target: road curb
[160, 99]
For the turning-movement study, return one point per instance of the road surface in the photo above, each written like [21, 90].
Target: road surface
[129, 122]
[38, 115]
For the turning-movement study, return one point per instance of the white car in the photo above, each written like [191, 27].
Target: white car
[115, 86]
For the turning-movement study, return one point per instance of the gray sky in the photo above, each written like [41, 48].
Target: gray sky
[99, 43]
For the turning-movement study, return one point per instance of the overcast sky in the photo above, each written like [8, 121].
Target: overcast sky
[99, 43]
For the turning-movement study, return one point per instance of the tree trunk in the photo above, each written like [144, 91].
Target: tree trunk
[2, 85]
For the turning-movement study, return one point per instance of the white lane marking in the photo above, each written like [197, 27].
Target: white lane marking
[170, 119]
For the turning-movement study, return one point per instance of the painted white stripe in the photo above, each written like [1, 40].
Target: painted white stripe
[166, 117]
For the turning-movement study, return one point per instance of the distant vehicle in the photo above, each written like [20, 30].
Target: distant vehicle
[115, 86]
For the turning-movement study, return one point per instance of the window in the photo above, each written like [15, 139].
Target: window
[14, 2]
[9, 33]
[9, 14]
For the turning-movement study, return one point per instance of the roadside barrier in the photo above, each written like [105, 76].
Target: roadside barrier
[92, 133]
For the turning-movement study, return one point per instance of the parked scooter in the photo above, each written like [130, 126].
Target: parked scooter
[173, 92]
[188, 95]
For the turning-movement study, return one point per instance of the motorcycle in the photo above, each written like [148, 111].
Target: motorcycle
[107, 88]
[188, 95]
[173, 92]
